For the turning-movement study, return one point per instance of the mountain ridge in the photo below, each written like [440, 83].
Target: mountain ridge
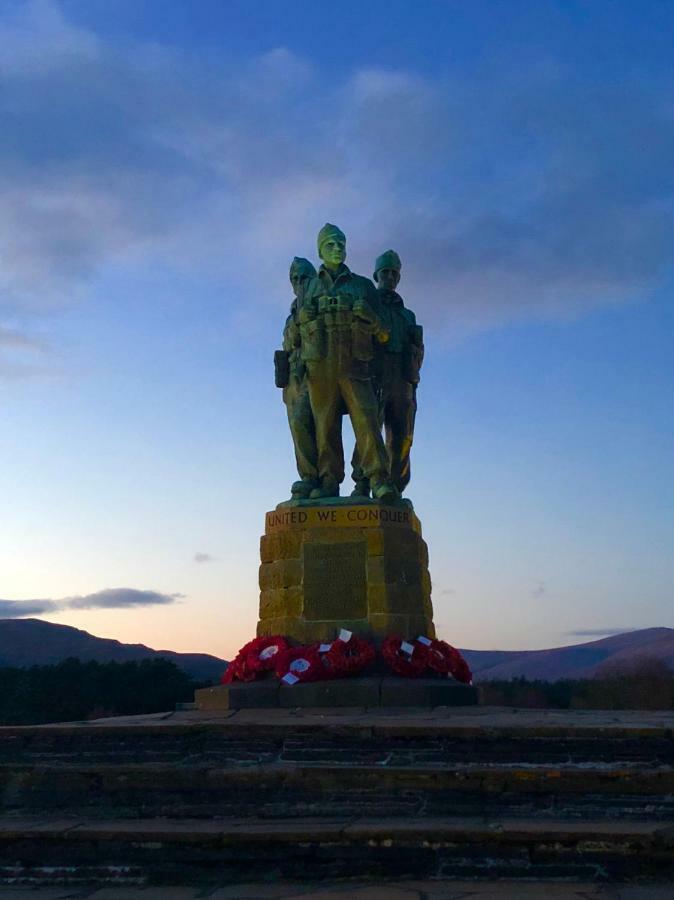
[575, 660]
[35, 642]
[29, 642]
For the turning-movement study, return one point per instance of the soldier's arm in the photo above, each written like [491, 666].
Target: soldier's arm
[417, 337]
[291, 334]
[368, 309]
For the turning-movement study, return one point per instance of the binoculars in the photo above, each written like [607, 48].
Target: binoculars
[328, 303]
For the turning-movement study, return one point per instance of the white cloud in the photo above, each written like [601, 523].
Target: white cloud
[599, 632]
[514, 196]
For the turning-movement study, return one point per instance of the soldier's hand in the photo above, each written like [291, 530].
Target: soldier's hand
[361, 311]
[306, 314]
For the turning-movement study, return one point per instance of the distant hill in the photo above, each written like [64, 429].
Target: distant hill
[30, 642]
[576, 661]
[33, 642]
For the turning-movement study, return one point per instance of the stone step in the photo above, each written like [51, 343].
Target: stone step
[250, 737]
[193, 789]
[193, 851]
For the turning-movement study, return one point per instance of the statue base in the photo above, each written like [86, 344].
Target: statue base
[359, 566]
[367, 692]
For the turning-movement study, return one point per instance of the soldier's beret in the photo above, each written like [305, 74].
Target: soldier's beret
[330, 231]
[388, 260]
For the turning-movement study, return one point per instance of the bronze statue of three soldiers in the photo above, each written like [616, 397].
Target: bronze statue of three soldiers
[349, 347]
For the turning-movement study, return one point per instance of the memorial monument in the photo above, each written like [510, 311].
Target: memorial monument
[359, 562]
[344, 582]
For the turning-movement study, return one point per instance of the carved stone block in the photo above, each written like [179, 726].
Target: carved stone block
[363, 568]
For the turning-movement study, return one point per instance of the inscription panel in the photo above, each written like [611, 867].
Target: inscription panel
[335, 581]
[341, 516]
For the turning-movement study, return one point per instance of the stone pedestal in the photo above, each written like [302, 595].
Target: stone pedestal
[369, 692]
[360, 567]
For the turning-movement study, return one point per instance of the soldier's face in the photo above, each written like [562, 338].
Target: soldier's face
[388, 279]
[299, 283]
[333, 252]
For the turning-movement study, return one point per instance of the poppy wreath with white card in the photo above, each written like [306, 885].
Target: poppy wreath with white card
[263, 653]
[446, 660]
[299, 664]
[408, 658]
[348, 657]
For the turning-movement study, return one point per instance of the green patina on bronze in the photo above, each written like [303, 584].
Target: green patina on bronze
[396, 376]
[349, 349]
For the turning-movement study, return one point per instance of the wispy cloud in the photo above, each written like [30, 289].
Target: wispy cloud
[204, 558]
[111, 598]
[119, 598]
[599, 632]
[517, 194]
[16, 609]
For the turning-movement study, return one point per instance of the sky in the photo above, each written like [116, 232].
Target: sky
[161, 164]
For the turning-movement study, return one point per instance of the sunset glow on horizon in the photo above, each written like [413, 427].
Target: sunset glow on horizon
[161, 166]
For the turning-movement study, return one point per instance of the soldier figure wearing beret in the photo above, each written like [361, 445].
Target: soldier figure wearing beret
[340, 325]
[291, 376]
[398, 363]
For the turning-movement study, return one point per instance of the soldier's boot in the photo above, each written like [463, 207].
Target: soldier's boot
[329, 487]
[385, 492]
[300, 490]
[361, 488]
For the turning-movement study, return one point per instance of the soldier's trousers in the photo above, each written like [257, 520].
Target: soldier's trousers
[330, 390]
[302, 429]
[397, 412]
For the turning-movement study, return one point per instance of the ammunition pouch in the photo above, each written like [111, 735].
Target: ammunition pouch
[362, 334]
[281, 368]
[312, 340]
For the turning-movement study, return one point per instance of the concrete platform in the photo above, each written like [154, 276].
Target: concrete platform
[374, 691]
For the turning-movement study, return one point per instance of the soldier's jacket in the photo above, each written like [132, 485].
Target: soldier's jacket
[329, 327]
[291, 344]
[405, 336]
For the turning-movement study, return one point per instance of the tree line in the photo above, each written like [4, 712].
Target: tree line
[644, 683]
[73, 690]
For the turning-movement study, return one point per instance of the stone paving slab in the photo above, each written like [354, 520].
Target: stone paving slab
[403, 720]
[462, 829]
[417, 890]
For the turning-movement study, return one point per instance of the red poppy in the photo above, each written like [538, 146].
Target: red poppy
[262, 653]
[346, 658]
[299, 664]
[410, 663]
[446, 660]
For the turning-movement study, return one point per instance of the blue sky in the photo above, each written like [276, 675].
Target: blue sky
[161, 163]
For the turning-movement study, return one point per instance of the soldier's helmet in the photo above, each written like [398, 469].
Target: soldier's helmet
[389, 259]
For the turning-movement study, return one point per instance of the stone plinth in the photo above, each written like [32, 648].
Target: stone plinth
[369, 692]
[360, 567]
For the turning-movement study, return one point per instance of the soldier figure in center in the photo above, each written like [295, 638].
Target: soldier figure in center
[339, 324]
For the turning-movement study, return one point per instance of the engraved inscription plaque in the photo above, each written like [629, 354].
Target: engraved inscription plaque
[335, 581]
